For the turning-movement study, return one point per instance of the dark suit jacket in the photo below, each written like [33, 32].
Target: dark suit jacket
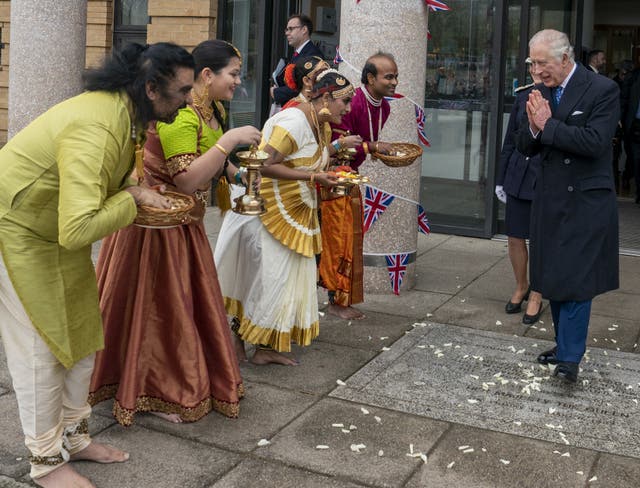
[630, 99]
[517, 172]
[282, 94]
[574, 215]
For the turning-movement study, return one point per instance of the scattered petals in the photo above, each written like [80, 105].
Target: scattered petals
[341, 383]
[263, 442]
[352, 427]
[450, 465]
[357, 447]
[322, 446]
[385, 348]
[337, 425]
[467, 451]
[505, 462]
[595, 478]
[378, 419]
[462, 448]
[364, 411]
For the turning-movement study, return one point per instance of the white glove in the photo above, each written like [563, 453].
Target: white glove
[502, 196]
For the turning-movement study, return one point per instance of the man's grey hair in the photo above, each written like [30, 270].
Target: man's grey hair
[557, 42]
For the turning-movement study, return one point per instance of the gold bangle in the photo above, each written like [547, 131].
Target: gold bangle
[377, 146]
[365, 147]
[221, 149]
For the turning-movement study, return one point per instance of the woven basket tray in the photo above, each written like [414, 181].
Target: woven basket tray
[405, 153]
[178, 214]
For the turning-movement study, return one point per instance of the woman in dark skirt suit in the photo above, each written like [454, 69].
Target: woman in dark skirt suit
[514, 186]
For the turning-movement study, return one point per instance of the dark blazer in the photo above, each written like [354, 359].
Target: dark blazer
[630, 99]
[517, 172]
[282, 93]
[574, 215]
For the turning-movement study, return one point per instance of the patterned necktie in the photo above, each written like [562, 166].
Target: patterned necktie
[557, 95]
[295, 54]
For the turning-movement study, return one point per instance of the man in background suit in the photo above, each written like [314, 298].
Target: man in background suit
[298, 32]
[597, 61]
[572, 118]
[630, 102]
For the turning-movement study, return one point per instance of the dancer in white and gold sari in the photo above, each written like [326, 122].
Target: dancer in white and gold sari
[266, 265]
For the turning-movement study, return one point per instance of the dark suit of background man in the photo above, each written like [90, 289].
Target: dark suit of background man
[597, 61]
[571, 117]
[630, 101]
[298, 32]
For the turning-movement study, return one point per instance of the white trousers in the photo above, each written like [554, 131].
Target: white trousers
[52, 401]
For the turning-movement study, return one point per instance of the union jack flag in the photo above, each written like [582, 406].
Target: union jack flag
[375, 202]
[423, 221]
[338, 59]
[395, 96]
[435, 5]
[397, 266]
[421, 119]
[428, 34]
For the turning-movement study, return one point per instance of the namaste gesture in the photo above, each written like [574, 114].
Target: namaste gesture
[538, 111]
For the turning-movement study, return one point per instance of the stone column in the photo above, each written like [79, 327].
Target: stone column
[399, 28]
[47, 40]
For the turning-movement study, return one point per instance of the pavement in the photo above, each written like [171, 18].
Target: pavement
[436, 387]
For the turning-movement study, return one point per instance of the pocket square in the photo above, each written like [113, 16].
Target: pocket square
[577, 112]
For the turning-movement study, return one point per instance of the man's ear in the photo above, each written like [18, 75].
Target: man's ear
[370, 78]
[151, 88]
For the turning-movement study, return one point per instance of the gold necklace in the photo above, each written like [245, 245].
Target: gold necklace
[316, 125]
[202, 104]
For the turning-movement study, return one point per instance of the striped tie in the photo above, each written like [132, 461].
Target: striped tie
[557, 95]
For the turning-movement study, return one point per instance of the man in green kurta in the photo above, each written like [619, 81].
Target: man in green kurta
[64, 184]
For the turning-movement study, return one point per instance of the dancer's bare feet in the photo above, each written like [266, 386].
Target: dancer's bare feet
[100, 453]
[239, 346]
[174, 418]
[267, 356]
[347, 313]
[64, 477]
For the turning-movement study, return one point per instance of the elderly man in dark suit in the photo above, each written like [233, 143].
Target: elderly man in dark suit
[572, 118]
[298, 32]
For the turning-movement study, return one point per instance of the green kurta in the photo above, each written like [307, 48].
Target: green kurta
[60, 190]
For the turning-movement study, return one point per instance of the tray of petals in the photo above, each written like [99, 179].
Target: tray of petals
[347, 178]
[165, 218]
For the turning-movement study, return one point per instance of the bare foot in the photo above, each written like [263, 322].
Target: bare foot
[174, 418]
[267, 356]
[64, 477]
[239, 346]
[100, 453]
[347, 313]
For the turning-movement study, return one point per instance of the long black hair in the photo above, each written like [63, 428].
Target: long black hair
[132, 67]
[215, 54]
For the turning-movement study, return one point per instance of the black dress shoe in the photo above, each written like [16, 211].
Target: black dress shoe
[567, 371]
[548, 357]
[532, 319]
[511, 307]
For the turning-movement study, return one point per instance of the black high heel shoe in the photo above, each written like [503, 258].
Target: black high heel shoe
[511, 307]
[532, 319]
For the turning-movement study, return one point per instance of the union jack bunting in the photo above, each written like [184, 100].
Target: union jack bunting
[395, 96]
[428, 34]
[375, 202]
[397, 266]
[435, 5]
[423, 221]
[421, 120]
[338, 59]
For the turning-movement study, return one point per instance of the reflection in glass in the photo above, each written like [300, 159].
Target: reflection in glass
[458, 103]
[132, 12]
[241, 27]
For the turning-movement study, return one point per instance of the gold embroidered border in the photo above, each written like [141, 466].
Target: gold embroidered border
[81, 428]
[278, 340]
[179, 163]
[125, 416]
[47, 460]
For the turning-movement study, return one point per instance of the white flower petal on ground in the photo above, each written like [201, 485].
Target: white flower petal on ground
[552, 410]
[467, 451]
[472, 400]
[263, 442]
[346, 431]
[462, 448]
[505, 462]
[341, 383]
[337, 425]
[411, 448]
[383, 338]
[423, 457]
[378, 419]
[498, 322]
[419, 383]
[595, 478]
[450, 465]
[580, 472]
[364, 410]
[542, 329]
[385, 349]
[566, 454]
[380, 453]
[321, 314]
[352, 427]
[322, 446]
[517, 422]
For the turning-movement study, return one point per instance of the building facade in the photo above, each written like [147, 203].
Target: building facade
[475, 60]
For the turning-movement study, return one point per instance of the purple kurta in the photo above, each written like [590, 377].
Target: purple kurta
[359, 123]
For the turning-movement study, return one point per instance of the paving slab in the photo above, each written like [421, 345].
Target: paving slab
[478, 247]
[617, 305]
[480, 313]
[158, 460]
[492, 381]
[413, 304]
[391, 432]
[604, 332]
[11, 483]
[14, 456]
[501, 461]
[426, 243]
[373, 332]
[618, 471]
[497, 283]
[259, 473]
[263, 411]
[321, 364]
[629, 276]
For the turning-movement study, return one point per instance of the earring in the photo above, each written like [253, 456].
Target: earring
[325, 110]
